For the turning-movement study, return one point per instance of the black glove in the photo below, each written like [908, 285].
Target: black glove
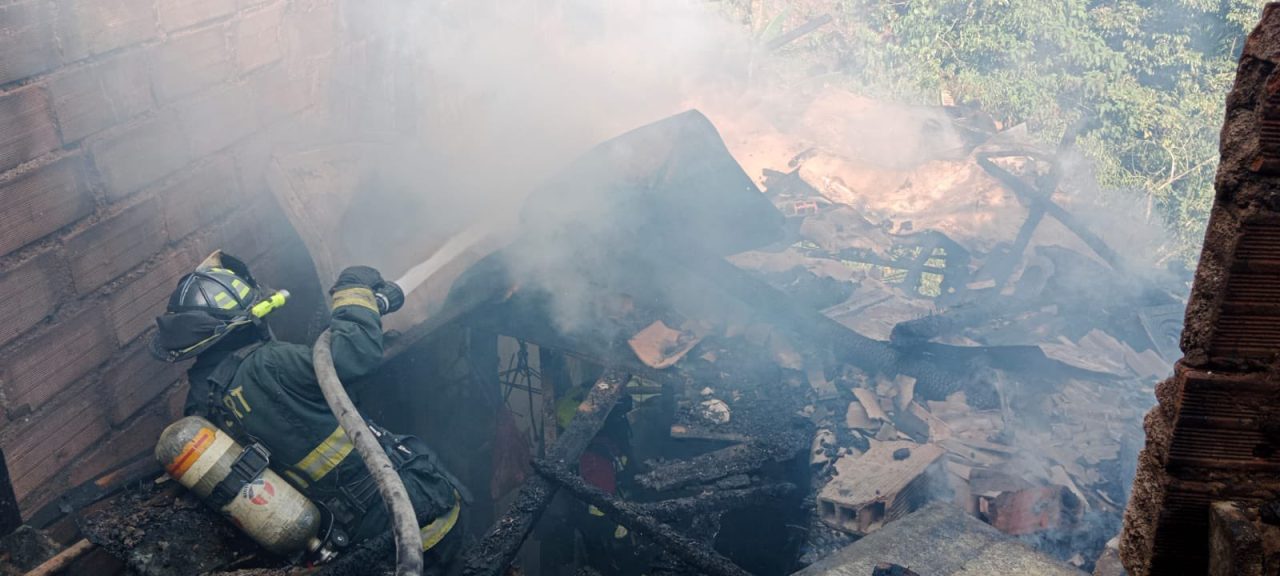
[390, 297]
[357, 276]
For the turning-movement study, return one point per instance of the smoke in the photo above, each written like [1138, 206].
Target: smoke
[512, 91]
[506, 94]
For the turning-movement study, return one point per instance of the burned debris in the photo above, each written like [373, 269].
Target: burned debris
[746, 380]
[815, 375]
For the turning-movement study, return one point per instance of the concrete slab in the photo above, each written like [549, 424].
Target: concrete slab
[941, 540]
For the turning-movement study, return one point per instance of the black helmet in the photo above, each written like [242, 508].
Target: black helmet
[208, 305]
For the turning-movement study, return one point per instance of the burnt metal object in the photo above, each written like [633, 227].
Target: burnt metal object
[491, 555]
[716, 501]
[686, 549]
[736, 459]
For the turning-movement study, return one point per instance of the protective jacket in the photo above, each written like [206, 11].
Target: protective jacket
[266, 392]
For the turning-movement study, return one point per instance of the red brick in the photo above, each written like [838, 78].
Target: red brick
[45, 443]
[28, 293]
[88, 27]
[26, 127]
[200, 198]
[219, 119]
[257, 37]
[136, 381]
[189, 63]
[114, 245]
[133, 308]
[123, 446]
[43, 201]
[140, 155]
[92, 98]
[27, 43]
[178, 14]
[44, 367]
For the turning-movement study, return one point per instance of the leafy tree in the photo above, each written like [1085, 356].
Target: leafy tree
[1153, 74]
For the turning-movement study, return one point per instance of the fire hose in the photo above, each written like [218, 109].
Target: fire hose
[404, 523]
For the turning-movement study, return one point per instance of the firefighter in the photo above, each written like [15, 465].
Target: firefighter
[264, 391]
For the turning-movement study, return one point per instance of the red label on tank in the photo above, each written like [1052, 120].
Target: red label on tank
[259, 492]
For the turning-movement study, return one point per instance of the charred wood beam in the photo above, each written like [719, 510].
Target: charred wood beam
[1039, 201]
[494, 552]
[736, 459]
[1031, 197]
[687, 549]
[717, 501]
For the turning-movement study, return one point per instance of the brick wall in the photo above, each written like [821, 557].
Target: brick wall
[134, 135]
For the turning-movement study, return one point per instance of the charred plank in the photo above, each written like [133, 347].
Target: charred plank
[500, 544]
[718, 501]
[736, 459]
[686, 549]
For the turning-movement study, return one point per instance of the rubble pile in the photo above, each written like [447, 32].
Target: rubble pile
[953, 326]
[988, 245]
[946, 323]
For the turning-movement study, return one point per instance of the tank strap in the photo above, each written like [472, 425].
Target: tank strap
[248, 467]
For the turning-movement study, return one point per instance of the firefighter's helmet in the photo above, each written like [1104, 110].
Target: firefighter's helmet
[221, 286]
[207, 306]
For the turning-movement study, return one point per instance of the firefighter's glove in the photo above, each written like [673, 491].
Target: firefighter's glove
[357, 277]
[390, 297]
[355, 288]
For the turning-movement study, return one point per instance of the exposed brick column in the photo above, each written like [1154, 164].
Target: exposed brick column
[1215, 434]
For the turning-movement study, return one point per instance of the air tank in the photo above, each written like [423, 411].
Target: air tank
[272, 512]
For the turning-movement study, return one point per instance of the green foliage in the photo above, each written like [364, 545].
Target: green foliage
[1154, 74]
